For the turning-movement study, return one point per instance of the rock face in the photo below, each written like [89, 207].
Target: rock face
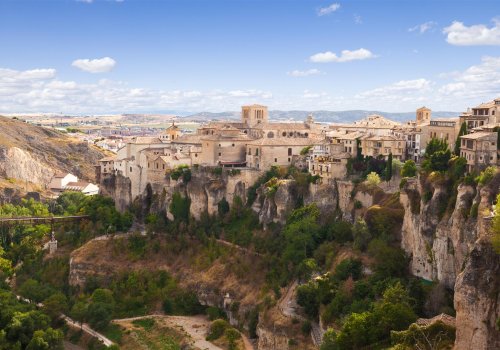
[19, 164]
[205, 190]
[33, 154]
[438, 246]
[274, 339]
[477, 299]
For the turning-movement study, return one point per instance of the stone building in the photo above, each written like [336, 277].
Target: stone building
[226, 147]
[485, 115]
[376, 146]
[446, 129]
[266, 152]
[479, 149]
[254, 114]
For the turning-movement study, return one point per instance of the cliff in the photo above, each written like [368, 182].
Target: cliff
[31, 155]
[477, 299]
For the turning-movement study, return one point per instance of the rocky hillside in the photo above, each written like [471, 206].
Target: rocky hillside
[31, 155]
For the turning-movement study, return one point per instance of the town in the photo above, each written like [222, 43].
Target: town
[255, 144]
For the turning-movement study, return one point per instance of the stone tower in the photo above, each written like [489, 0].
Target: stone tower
[423, 115]
[254, 114]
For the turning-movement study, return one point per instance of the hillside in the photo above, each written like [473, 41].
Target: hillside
[31, 155]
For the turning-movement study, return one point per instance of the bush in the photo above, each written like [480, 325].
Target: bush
[373, 179]
[403, 183]
[215, 313]
[217, 329]
[486, 175]
[306, 327]
[358, 204]
[349, 268]
[181, 171]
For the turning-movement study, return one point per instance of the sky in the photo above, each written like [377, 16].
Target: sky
[142, 56]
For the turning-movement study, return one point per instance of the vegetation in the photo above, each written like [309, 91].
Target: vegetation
[496, 225]
[436, 155]
[181, 171]
[486, 175]
[373, 179]
[409, 169]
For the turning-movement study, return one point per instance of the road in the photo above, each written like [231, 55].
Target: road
[84, 327]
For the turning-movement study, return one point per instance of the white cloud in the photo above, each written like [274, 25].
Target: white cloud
[358, 19]
[85, 1]
[478, 81]
[328, 9]
[422, 28]
[345, 56]
[304, 73]
[399, 88]
[459, 34]
[98, 65]
[39, 90]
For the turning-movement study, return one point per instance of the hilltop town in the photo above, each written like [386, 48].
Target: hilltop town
[255, 144]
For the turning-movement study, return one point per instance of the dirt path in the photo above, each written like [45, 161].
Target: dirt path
[195, 326]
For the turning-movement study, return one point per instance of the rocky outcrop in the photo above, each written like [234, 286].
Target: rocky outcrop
[19, 164]
[438, 242]
[274, 339]
[477, 299]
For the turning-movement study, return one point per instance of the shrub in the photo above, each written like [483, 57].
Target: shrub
[215, 313]
[373, 179]
[181, 171]
[403, 183]
[306, 327]
[358, 204]
[217, 329]
[486, 175]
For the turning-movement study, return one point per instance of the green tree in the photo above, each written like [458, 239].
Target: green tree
[179, 207]
[361, 234]
[99, 315]
[388, 168]
[463, 131]
[55, 305]
[79, 312]
[409, 169]
[329, 340]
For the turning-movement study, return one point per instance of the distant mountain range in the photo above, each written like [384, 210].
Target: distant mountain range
[319, 116]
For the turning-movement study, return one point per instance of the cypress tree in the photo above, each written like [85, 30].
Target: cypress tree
[388, 168]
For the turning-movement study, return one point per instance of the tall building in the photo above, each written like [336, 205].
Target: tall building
[423, 115]
[254, 114]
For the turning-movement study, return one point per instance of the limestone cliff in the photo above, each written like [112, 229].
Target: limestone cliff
[477, 299]
[205, 189]
[438, 239]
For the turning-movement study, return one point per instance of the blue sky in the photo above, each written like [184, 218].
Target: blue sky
[105, 56]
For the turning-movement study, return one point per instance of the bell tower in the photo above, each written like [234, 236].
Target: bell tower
[254, 114]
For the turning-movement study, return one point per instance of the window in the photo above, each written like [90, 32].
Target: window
[220, 154]
[196, 155]
[130, 169]
[156, 165]
[289, 160]
[163, 166]
[276, 160]
[256, 151]
[232, 145]
[283, 134]
[219, 144]
[249, 151]
[289, 151]
[270, 135]
[148, 164]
